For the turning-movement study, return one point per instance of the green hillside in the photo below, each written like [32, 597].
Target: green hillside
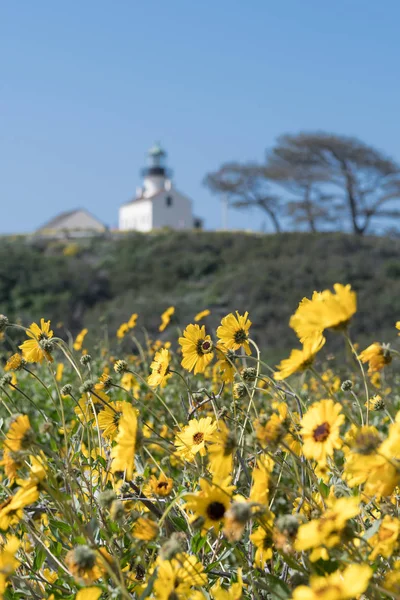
[98, 282]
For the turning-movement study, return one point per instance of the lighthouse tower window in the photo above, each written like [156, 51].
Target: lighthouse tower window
[168, 200]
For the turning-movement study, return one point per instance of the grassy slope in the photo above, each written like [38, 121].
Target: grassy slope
[108, 279]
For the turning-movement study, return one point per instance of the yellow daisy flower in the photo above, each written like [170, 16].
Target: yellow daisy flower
[201, 315]
[320, 430]
[34, 350]
[233, 332]
[377, 357]
[79, 339]
[109, 418]
[15, 362]
[197, 349]
[211, 503]
[166, 318]
[159, 369]
[192, 438]
[299, 360]
[325, 310]
[340, 585]
[123, 453]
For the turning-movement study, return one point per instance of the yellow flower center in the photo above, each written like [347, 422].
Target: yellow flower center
[321, 432]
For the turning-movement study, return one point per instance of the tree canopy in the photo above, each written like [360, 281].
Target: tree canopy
[318, 180]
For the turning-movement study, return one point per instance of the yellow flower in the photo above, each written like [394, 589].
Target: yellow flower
[15, 362]
[326, 530]
[224, 368]
[160, 369]
[201, 315]
[385, 541]
[211, 503]
[123, 453]
[8, 562]
[105, 381]
[197, 349]
[145, 529]
[220, 452]
[59, 371]
[192, 439]
[84, 563]
[299, 360]
[79, 339]
[261, 475]
[233, 332]
[33, 350]
[340, 585]
[175, 577]
[324, 311]
[19, 437]
[166, 318]
[89, 593]
[132, 321]
[320, 429]
[130, 384]
[108, 419]
[263, 540]
[234, 592]
[11, 510]
[122, 330]
[374, 463]
[377, 356]
[161, 486]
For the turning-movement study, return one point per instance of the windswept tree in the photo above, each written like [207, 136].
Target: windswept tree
[306, 202]
[362, 182]
[246, 186]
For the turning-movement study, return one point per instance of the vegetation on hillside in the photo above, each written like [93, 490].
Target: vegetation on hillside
[101, 282]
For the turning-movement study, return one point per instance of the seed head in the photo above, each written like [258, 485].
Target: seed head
[3, 322]
[5, 380]
[347, 385]
[85, 359]
[239, 390]
[46, 345]
[117, 510]
[120, 366]
[86, 386]
[249, 374]
[106, 498]
[66, 390]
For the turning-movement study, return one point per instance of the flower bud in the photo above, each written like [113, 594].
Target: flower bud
[347, 385]
[120, 366]
[85, 359]
[3, 323]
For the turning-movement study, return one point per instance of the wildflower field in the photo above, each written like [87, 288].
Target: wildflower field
[189, 468]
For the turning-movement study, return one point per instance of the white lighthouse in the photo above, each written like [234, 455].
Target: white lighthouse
[157, 203]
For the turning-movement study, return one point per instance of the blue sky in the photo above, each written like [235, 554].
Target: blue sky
[87, 87]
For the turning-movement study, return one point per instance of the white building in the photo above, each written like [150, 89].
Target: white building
[72, 223]
[157, 203]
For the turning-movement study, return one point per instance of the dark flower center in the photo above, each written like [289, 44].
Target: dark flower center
[43, 336]
[162, 484]
[321, 432]
[203, 347]
[198, 437]
[240, 336]
[215, 511]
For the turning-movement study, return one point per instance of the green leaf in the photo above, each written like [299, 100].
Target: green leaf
[40, 557]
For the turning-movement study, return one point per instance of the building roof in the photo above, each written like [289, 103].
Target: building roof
[59, 221]
[144, 198]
